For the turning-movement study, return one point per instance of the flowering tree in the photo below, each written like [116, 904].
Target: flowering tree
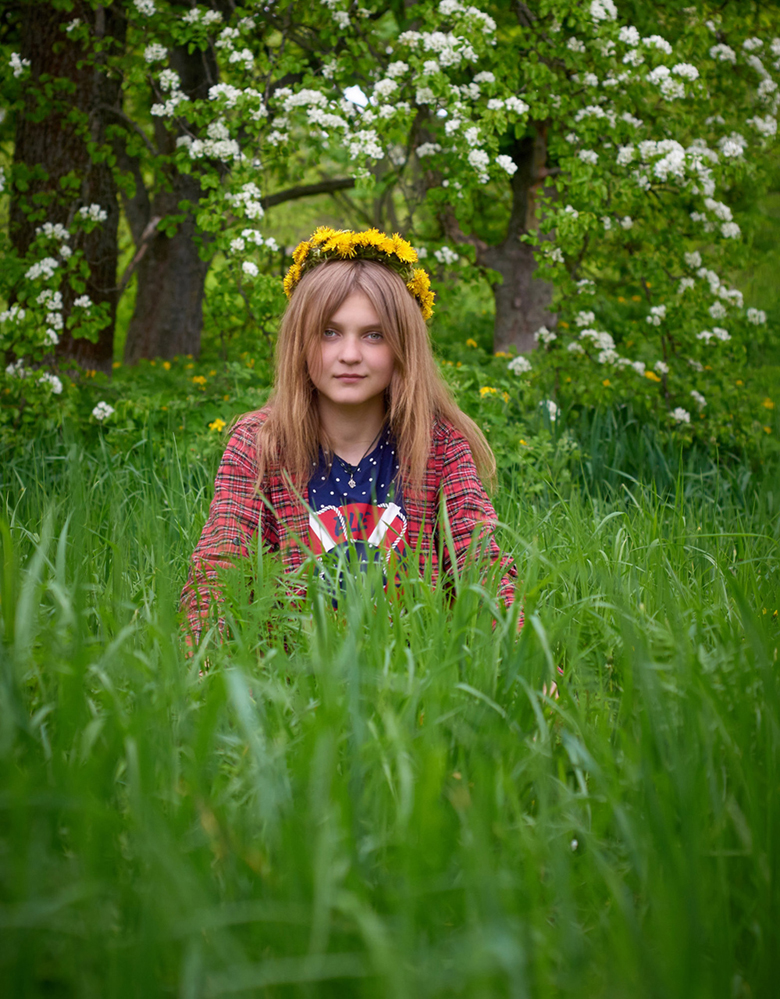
[550, 145]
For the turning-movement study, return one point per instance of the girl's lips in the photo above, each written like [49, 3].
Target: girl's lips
[350, 378]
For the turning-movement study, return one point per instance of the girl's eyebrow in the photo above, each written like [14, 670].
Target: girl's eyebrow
[369, 326]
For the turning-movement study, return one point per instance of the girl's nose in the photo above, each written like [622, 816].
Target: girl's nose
[350, 350]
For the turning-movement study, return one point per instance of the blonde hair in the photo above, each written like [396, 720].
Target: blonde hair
[417, 394]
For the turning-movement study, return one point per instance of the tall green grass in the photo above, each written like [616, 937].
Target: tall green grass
[381, 800]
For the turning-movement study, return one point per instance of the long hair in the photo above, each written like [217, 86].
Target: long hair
[291, 435]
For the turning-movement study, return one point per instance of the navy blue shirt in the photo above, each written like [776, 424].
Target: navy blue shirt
[366, 521]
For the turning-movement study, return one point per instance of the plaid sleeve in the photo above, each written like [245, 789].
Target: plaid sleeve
[470, 513]
[233, 520]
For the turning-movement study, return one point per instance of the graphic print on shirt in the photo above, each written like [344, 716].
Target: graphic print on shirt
[357, 512]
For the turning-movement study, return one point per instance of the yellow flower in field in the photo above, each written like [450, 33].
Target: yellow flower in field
[116, 364]
[459, 364]
[768, 404]
[167, 365]
[488, 390]
[652, 376]
[621, 299]
[505, 396]
[218, 425]
[501, 353]
[226, 397]
[606, 383]
[212, 373]
[767, 430]
[636, 298]
[188, 366]
[565, 325]
[739, 382]
[471, 343]
[198, 380]
[523, 442]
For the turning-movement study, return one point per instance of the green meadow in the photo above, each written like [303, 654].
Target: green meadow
[382, 800]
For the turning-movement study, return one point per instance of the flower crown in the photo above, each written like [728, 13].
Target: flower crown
[343, 244]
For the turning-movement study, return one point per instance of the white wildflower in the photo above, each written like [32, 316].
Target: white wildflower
[93, 212]
[397, 68]
[506, 163]
[661, 367]
[685, 284]
[575, 45]
[752, 44]
[717, 310]
[721, 334]
[17, 64]
[445, 255]
[629, 35]
[384, 88]
[485, 77]
[693, 259]
[575, 348]
[756, 316]
[584, 318]
[516, 105]
[519, 365]
[428, 149]
[681, 415]
[47, 378]
[551, 408]
[250, 268]
[102, 411]
[155, 53]
[543, 335]
[698, 398]
[43, 268]
[603, 10]
[657, 315]
[588, 156]
[730, 230]
[655, 41]
[686, 70]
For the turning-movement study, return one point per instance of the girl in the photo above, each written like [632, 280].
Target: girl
[361, 447]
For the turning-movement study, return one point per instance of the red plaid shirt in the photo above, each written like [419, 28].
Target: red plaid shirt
[238, 509]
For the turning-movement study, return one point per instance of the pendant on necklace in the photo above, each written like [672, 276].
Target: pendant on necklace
[352, 483]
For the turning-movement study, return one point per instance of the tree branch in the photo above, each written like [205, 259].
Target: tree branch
[143, 246]
[308, 190]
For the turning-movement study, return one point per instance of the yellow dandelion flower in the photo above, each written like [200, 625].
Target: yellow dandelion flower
[198, 380]
[767, 430]
[768, 404]
[505, 396]
[652, 376]
[292, 278]
[636, 298]
[218, 425]
[487, 390]
[404, 250]
[739, 382]
[322, 233]
[471, 343]
[621, 299]
[167, 365]
[301, 252]
[501, 353]
[116, 364]
[606, 383]
[565, 325]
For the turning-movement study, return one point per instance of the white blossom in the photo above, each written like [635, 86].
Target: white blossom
[15, 313]
[516, 105]
[756, 316]
[575, 348]
[627, 222]
[53, 230]
[575, 45]
[425, 95]
[752, 44]
[242, 55]
[634, 57]
[72, 25]
[47, 378]
[681, 415]
[17, 64]
[657, 315]
[155, 53]
[543, 335]
[686, 70]
[588, 156]
[551, 408]
[766, 89]
[250, 268]
[51, 337]
[625, 155]
[583, 319]
[16, 369]
[717, 310]
[603, 10]
[606, 221]
[43, 268]
[629, 119]
[365, 142]
[479, 159]
[661, 367]
[383, 88]
[485, 77]
[720, 333]
[730, 230]
[428, 149]
[519, 365]
[102, 411]
[629, 35]
[685, 284]
[506, 163]
[397, 68]
[657, 42]
[698, 398]
[693, 259]
[601, 340]
[732, 145]
[83, 302]
[495, 104]
[445, 255]
[766, 126]
[723, 53]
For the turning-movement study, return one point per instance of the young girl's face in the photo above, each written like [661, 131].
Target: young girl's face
[353, 363]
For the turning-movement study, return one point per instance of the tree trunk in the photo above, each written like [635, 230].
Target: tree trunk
[522, 299]
[171, 275]
[52, 146]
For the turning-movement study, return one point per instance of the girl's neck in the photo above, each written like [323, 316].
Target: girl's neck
[349, 430]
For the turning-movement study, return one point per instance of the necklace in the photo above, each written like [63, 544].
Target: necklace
[351, 469]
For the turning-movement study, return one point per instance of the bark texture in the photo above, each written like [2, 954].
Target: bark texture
[168, 315]
[52, 145]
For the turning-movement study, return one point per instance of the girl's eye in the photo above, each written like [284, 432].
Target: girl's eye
[329, 334]
[374, 336]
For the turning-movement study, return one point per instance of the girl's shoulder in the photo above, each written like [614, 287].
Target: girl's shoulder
[446, 434]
